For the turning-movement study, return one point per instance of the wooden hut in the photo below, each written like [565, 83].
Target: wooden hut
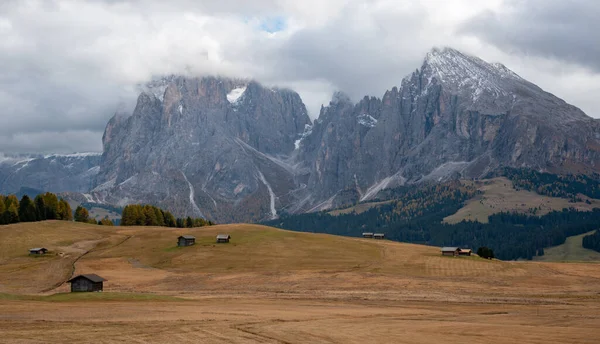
[367, 235]
[223, 238]
[465, 252]
[450, 251]
[86, 283]
[186, 240]
[378, 236]
[38, 250]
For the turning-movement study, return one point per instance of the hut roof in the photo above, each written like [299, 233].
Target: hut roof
[38, 249]
[466, 250]
[367, 233]
[450, 249]
[223, 236]
[92, 277]
[379, 234]
[187, 237]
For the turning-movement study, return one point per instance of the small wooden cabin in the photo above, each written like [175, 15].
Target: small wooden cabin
[378, 236]
[223, 238]
[38, 250]
[465, 252]
[367, 235]
[86, 283]
[450, 251]
[186, 240]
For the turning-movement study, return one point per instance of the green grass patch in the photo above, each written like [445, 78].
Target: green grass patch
[570, 251]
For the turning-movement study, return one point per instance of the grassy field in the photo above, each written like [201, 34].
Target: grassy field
[499, 195]
[273, 286]
[571, 250]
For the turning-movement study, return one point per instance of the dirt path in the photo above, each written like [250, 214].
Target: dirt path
[74, 263]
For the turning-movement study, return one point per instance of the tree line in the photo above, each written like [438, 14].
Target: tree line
[149, 215]
[553, 185]
[509, 235]
[592, 241]
[43, 207]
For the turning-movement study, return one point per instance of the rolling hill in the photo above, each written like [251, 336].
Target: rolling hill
[146, 259]
[274, 286]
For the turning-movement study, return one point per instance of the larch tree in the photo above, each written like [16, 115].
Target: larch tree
[82, 214]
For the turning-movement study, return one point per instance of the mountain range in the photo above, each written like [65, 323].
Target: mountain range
[233, 150]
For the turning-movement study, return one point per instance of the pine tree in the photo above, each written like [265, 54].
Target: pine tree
[149, 216]
[160, 219]
[189, 223]
[27, 211]
[66, 214]
[170, 220]
[2, 209]
[126, 216]
[12, 213]
[81, 214]
[51, 203]
[180, 223]
[40, 207]
[106, 222]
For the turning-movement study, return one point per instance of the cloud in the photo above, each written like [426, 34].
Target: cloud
[67, 64]
[565, 30]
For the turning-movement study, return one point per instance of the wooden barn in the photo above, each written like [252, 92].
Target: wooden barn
[223, 238]
[186, 240]
[367, 235]
[86, 283]
[450, 251]
[38, 250]
[378, 236]
[465, 252]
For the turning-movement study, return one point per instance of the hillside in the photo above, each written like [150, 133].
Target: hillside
[147, 259]
[571, 250]
[275, 286]
[499, 195]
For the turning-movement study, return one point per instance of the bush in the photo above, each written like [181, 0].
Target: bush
[485, 252]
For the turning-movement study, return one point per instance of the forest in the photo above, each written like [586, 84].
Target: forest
[148, 215]
[592, 241]
[417, 216]
[45, 206]
[553, 185]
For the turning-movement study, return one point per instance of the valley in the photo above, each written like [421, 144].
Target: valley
[274, 286]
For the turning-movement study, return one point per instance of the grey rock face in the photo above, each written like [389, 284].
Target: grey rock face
[53, 173]
[232, 150]
[457, 116]
[207, 147]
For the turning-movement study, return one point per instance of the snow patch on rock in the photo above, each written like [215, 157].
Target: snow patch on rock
[235, 94]
[367, 120]
[271, 195]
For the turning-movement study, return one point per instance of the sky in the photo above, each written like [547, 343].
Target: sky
[67, 65]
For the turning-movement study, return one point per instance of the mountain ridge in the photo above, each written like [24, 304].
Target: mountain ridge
[233, 150]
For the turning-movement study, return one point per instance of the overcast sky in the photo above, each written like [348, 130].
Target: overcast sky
[66, 65]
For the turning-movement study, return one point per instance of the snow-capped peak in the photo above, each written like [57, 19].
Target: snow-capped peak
[459, 72]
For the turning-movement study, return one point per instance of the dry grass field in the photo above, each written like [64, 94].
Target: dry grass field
[499, 195]
[274, 286]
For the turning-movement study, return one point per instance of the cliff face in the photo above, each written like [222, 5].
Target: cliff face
[233, 150]
[457, 116]
[204, 147]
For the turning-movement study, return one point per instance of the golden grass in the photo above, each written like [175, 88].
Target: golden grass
[275, 286]
[499, 195]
